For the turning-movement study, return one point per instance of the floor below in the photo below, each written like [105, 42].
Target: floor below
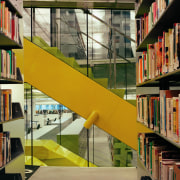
[76, 173]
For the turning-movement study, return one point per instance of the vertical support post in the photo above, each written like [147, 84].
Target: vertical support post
[60, 125]
[31, 22]
[87, 44]
[87, 76]
[110, 53]
[126, 78]
[91, 63]
[53, 27]
[125, 58]
[31, 127]
[114, 54]
[26, 117]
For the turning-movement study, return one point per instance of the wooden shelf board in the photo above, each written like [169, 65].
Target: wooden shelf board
[172, 77]
[10, 81]
[169, 140]
[13, 9]
[8, 43]
[140, 163]
[16, 156]
[11, 120]
[164, 137]
[143, 8]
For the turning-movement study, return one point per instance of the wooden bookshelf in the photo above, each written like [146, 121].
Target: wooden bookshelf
[16, 154]
[15, 119]
[10, 81]
[8, 43]
[143, 8]
[177, 145]
[13, 9]
[171, 77]
[16, 127]
[169, 140]
[170, 16]
[144, 169]
[166, 21]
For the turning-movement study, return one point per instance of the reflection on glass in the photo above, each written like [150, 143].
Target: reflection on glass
[66, 29]
[57, 126]
[27, 22]
[63, 33]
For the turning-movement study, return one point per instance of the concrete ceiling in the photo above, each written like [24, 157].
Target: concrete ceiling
[90, 4]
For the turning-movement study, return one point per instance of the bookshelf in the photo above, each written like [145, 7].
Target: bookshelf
[171, 78]
[8, 43]
[10, 81]
[13, 8]
[11, 94]
[142, 8]
[14, 152]
[142, 170]
[159, 113]
[165, 21]
[11, 120]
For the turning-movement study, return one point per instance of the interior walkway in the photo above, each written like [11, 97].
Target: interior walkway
[102, 155]
[50, 131]
[75, 173]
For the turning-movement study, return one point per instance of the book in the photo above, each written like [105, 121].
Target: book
[156, 150]
[7, 147]
[1, 150]
[177, 46]
[165, 112]
[176, 169]
[6, 102]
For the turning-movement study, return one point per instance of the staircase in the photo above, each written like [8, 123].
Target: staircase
[62, 79]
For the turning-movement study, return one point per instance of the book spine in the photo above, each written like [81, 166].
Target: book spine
[161, 57]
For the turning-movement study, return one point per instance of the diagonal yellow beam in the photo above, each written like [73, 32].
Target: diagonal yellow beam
[81, 94]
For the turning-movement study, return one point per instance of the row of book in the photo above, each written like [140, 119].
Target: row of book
[160, 159]
[161, 57]
[6, 105]
[161, 113]
[8, 64]
[145, 23]
[5, 148]
[9, 23]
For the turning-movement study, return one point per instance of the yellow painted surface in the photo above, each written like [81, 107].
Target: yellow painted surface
[52, 154]
[36, 161]
[59, 162]
[91, 119]
[81, 94]
[43, 149]
[66, 162]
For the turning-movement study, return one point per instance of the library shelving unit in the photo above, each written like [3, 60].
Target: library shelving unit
[11, 97]
[168, 16]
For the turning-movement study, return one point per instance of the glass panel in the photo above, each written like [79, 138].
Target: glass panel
[42, 24]
[72, 42]
[53, 129]
[63, 33]
[27, 22]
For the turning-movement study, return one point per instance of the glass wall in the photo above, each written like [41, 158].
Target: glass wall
[55, 136]
[93, 38]
[99, 42]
